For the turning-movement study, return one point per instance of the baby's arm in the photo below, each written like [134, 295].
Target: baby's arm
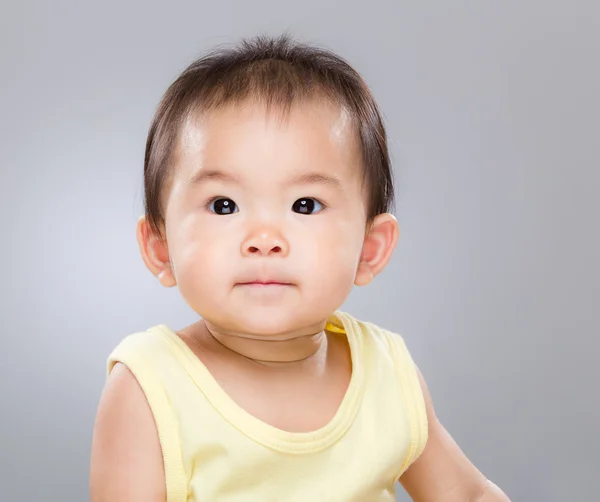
[126, 463]
[443, 472]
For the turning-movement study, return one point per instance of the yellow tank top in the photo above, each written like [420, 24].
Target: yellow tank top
[213, 450]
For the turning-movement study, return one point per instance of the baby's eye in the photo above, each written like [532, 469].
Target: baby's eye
[223, 206]
[307, 205]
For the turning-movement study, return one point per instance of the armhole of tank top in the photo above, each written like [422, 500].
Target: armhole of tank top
[413, 398]
[164, 418]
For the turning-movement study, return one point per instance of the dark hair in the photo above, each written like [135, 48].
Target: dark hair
[277, 71]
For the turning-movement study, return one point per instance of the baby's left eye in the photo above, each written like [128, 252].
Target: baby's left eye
[307, 205]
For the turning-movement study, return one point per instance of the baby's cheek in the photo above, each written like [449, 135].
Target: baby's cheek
[336, 271]
[346, 251]
[201, 268]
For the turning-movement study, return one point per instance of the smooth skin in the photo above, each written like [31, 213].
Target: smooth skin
[266, 337]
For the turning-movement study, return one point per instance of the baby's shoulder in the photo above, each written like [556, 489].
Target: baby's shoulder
[142, 348]
[371, 332]
[378, 346]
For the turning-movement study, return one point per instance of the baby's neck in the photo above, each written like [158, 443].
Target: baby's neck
[297, 349]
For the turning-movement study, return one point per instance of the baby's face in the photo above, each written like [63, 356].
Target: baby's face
[265, 219]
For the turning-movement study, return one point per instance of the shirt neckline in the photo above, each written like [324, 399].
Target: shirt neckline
[262, 432]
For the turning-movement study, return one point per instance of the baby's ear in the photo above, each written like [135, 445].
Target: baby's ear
[380, 241]
[155, 253]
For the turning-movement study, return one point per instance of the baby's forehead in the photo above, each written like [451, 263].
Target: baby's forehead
[311, 131]
[336, 116]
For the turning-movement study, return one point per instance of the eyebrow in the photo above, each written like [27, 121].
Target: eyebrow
[317, 178]
[204, 175]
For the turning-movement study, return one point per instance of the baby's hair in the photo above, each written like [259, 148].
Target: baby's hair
[275, 71]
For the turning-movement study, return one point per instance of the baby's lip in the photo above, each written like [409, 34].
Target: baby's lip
[258, 279]
[264, 282]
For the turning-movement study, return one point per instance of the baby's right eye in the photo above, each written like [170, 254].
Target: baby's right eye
[222, 206]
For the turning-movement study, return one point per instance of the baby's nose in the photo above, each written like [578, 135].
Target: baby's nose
[264, 242]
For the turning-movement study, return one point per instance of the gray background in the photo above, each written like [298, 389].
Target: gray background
[493, 117]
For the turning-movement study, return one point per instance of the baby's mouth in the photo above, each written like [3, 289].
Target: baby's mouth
[264, 283]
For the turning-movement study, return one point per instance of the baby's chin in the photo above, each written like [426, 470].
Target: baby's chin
[274, 323]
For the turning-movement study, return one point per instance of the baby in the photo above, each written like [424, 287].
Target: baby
[268, 192]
